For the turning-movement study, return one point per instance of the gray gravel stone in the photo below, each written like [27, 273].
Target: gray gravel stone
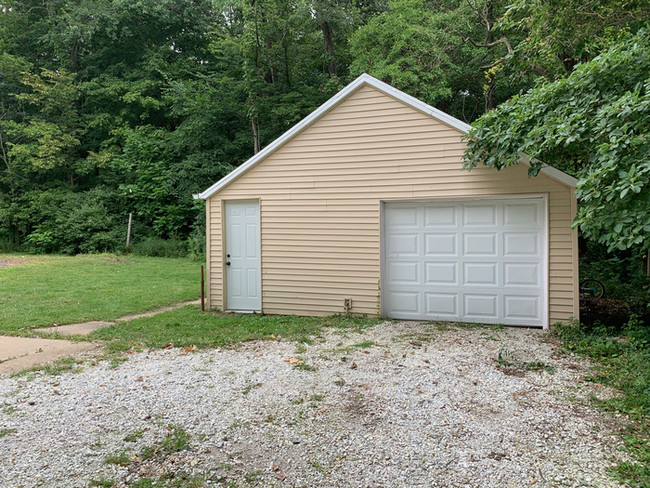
[423, 406]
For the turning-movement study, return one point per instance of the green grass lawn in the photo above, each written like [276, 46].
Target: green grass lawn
[64, 289]
[188, 326]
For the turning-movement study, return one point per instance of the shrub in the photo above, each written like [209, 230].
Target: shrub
[156, 247]
[196, 245]
[606, 311]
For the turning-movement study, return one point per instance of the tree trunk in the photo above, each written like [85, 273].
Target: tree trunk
[489, 92]
[271, 73]
[256, 135]
[329, 45]
[74, 57]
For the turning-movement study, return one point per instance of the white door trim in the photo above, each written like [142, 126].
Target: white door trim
[545, 250]
[253, 305]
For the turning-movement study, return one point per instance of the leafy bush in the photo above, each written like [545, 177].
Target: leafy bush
[196, 243]
[594, 311]
[75, 222]
[622, 272]
[8, 246]
[157, 247]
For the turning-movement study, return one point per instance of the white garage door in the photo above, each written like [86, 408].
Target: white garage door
[469, 261]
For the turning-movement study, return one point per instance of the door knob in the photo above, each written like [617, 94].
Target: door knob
[227, 263]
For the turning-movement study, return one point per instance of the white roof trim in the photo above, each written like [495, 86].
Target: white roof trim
[551, 171]
[335, 100]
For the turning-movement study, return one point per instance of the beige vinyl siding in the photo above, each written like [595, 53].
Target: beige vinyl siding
[320, 199]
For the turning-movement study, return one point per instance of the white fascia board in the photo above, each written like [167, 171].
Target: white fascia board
[559, 175]
[417, 104]
[336, 99]
[550, 171]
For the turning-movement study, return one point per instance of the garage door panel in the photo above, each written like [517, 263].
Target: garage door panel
[442, 305]
[484, 274]
[521, 274]
[483, 244]
[521, 244]
[440, 216]
[521, 307]
[407, 303]
[401, 217]
[479, 215]
[521, 214]
[481, 306]
[440, 274]
[468, 261]
[405, 244]
[403, 272]
[440, 244]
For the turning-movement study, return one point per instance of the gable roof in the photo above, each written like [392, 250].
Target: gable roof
[364, 79]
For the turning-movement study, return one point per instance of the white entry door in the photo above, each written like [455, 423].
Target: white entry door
[468, 261]
[242, 256]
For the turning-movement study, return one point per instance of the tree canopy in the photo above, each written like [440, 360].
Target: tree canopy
[109, 107]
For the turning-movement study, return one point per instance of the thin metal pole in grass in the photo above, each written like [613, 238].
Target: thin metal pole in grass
[128, 231]
[202, 290]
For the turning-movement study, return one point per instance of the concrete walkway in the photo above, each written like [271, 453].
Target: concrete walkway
[86, 328]
[17, 353]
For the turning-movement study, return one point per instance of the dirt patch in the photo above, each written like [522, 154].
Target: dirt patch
[157, 311]
[83, 329]
[12, 262]
[117, 260]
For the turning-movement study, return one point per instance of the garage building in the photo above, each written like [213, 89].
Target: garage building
[364, 207]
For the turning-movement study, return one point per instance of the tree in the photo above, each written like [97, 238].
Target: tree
[440, 51]
[559, 34]
[594, 124]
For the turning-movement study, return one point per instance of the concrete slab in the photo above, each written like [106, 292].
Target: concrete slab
[83, 329]
[18, 353]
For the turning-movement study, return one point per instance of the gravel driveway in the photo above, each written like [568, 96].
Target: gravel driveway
[397, 405]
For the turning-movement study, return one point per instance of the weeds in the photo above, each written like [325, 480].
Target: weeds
[6, 432]
[623, 362]
[56, 368]
[134, 436]
[188, 326]
[507, 361]
[103, 483]
[248, 388]
[177, 440]
[120, 459]
[7, 409]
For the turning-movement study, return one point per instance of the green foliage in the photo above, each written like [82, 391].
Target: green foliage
[403, 46]
[423, 50]
[594, 124]
[73, 223]
[622, 273]
[563, 33]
